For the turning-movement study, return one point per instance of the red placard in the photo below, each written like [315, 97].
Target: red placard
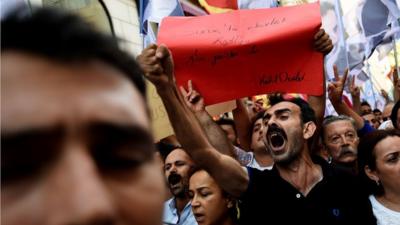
[247, 52]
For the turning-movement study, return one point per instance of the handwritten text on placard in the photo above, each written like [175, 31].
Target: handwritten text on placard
[247, 52]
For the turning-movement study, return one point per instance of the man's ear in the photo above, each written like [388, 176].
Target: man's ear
[309, 130]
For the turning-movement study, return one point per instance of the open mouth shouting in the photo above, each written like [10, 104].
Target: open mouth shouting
[174, 180]
[277, 139]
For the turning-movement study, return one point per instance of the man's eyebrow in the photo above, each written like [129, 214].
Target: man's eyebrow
[114, 130]
[31, 144]
[277, 112]
[31, 132]
[110, 138]
[280, 111]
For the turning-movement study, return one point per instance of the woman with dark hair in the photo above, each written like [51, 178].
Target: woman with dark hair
[379, 167]
[210, 204]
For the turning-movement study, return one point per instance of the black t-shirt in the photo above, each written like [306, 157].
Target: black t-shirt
[337, 199]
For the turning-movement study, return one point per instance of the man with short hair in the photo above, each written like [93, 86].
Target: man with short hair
[75, 130]
[258, 157]
[372, 120]
[378, 115]
[365, 108]
[340, 140]
[178, 167]
[261, 157]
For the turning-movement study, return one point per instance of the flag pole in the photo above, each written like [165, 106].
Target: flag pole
[396, 62]
[342, 39]
[372, 84]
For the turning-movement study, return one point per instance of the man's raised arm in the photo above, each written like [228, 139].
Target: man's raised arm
[217, 137]
[157, 64]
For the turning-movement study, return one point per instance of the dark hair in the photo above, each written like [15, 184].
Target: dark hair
[65, 38]
[367, 156]
[365, 103]
[376, 111]
[393, 115]
[256, 117]
[233, 212]
[227, 121]
[165, 149]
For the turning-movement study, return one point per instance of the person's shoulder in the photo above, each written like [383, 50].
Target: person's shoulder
[258, 178]
[341, 174]
[338, 174]
[169, 203]
[254, 172]
[341, 171]
[346, 181]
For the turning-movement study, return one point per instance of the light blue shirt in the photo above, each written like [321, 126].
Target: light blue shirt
[171, 215]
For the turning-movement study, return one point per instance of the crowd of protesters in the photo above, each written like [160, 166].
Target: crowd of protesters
[77, 146]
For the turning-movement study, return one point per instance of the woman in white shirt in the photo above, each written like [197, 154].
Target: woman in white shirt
[379, 166]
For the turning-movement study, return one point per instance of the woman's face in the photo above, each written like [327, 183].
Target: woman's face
[387, 171]
[209, 205]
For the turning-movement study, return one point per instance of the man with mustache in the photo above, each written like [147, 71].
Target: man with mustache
[340, 134]
[178, 167]
[340, 140]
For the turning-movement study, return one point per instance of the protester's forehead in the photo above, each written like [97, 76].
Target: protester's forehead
[387, 146]
[339, 125]
[201, 179]
[178, 154]
[366, 107]
[38, 92]
[283, 105]
[258, 121]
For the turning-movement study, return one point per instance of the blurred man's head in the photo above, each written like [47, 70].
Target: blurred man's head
[371, 119]
[76, 142]
[378, 114]
[365, 108]
[339, 136]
